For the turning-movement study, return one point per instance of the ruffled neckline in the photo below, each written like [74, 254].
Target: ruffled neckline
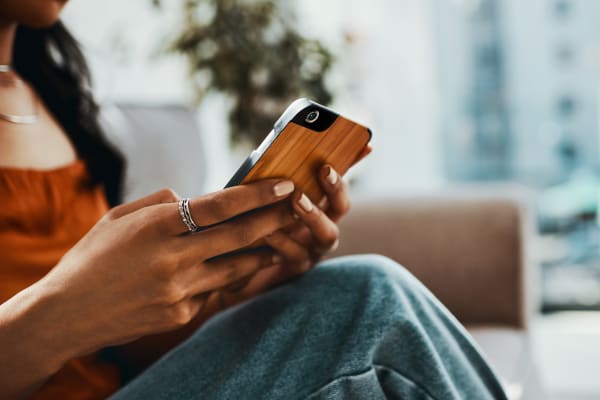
[74, 167]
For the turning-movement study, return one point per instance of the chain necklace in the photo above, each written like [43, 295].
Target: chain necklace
[12, 118]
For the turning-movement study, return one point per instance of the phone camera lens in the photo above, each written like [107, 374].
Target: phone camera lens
[312, 116]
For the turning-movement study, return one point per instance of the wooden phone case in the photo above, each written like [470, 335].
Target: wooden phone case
[298, 152]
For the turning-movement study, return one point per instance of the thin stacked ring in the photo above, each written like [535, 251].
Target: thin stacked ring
[186, 215]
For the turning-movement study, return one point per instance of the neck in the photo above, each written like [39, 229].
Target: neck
[7, 38]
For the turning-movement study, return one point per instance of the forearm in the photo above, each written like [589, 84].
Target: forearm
[32, 346]
[136, 356]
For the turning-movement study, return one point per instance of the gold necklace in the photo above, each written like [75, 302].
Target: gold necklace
[13, 118]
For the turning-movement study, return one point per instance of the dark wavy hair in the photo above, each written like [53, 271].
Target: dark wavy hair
[52, 62]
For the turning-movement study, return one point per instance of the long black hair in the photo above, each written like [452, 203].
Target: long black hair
[52, 62]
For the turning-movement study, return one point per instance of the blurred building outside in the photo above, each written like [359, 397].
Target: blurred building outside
[520, 87]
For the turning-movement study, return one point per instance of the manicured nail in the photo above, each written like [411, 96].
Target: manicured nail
[305, 203]
[332, 176]
[335, 245]
[283, 188]
[276, 259]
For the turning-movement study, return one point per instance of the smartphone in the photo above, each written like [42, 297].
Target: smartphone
[305, 137]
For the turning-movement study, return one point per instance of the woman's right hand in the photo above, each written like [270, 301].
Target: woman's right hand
[137, 272]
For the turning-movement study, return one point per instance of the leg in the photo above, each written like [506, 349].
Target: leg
[354, 327]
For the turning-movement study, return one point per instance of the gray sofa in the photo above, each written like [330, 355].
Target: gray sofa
[468, 251]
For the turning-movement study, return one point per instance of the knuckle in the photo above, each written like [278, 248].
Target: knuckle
[168, 194]
[306, 266]
[111, 214]
[346, 205]
[171, 294]
[219, 204]
[180, 314]
[163, 268]
[232, 273]
[333, 234]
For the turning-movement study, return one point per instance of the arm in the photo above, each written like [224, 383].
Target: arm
[139, 267]
[33, 347]
[315, 234]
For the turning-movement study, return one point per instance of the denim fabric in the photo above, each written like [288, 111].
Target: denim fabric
[358, 327]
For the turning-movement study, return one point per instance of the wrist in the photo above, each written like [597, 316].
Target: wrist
[32, 327]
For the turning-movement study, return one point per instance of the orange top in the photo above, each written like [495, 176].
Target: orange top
[43, 214]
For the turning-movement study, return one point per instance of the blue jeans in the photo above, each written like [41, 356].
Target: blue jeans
[358, 327]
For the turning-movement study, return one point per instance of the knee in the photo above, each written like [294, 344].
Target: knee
[372, 268]
[359, 278]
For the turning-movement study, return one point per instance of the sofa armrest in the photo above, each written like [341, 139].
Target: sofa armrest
[468, 252]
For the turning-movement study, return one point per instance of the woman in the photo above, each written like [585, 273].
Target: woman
[86, 291]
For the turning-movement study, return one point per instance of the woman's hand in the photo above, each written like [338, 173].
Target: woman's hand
[302, 245]
[316, 232]
[137, 272]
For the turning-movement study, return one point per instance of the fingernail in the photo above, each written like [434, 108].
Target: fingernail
[335, 245]
[276, 259]
[283, 188]
[332, 176]
[305, 203]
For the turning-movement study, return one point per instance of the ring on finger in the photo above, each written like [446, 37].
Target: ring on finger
[186, 215]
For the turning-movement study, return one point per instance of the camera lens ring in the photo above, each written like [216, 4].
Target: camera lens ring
[312, 116]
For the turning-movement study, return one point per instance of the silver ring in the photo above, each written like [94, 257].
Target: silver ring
[186, 215]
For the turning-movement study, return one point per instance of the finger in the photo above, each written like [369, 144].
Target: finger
[220, 273]
[237, 286]
[160, 197]
[184, 311]
[300, 234]
[287, 248]
[270, 277]
[304, 237]
[237, 233]
[225, 204]
[338, 200]
[324, 231]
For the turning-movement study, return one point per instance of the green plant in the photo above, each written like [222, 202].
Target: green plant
[251, 51]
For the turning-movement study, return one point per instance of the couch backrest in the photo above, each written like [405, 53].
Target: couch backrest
[162, 147]
[468, 252]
